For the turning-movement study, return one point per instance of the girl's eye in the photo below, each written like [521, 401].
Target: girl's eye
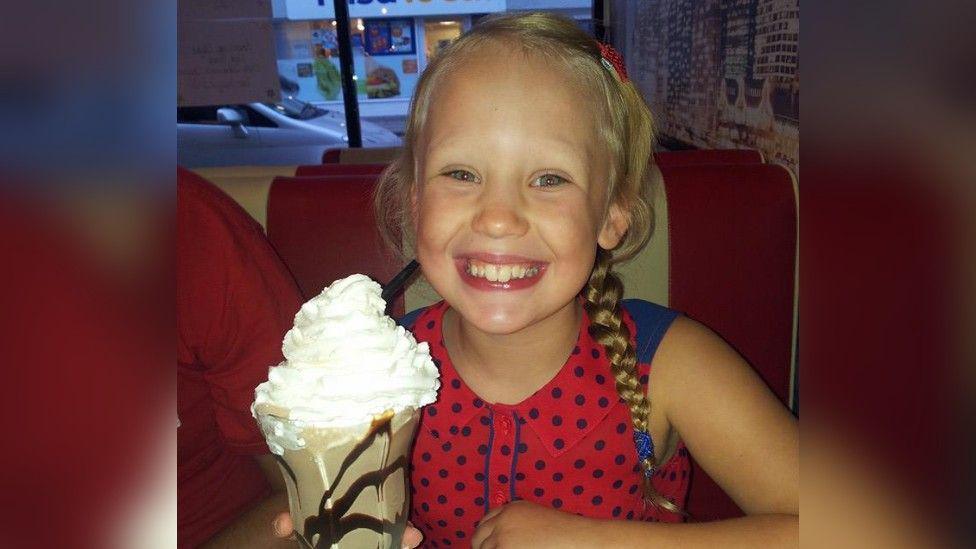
[462, 175]
[548, 180]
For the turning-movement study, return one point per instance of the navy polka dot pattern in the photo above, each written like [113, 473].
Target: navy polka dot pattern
[568, 446]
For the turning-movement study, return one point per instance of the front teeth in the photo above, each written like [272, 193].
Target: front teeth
[500, 273]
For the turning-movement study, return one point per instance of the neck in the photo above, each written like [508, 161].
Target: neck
[508, 368]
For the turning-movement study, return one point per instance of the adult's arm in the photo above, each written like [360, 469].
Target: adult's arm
[254, 528]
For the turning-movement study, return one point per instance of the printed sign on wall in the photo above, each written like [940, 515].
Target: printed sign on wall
[225, 60]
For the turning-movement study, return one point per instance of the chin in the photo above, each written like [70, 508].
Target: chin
[495, 320]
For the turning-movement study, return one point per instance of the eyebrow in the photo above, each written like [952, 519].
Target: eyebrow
[572, 154]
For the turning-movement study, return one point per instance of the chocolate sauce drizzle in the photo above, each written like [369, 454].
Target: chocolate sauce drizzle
[291, 473]
[332, 524]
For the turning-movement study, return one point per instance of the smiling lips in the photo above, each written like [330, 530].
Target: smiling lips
[500, 273]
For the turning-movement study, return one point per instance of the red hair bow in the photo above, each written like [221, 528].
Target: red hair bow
[613, 60]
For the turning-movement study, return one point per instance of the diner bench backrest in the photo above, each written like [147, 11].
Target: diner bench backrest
[732, 233]
[340, 169]
[698, 157]
[366, 155]
[324, 229]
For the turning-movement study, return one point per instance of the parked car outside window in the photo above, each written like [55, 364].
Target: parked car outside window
[290, 132]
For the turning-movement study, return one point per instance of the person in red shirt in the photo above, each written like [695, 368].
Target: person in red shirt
[569, 445]
[234, 302]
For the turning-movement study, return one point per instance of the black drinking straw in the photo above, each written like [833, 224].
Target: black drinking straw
[393, 287]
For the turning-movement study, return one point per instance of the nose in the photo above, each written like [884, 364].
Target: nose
[500, 215]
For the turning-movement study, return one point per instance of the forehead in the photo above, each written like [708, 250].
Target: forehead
[503, 93]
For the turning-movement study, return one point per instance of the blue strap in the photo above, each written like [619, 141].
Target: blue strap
[410, 318]
[652, 322]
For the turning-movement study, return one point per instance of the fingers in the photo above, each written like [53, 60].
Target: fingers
[482, 535]
[490, 515]
[488, 543]
[282, 525]
[412, 537]
[479, 537]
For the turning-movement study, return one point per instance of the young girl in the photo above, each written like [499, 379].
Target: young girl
[522, 183]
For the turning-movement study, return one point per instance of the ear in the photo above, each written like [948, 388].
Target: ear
[614, 227]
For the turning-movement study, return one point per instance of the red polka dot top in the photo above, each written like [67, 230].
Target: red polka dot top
[569, 445]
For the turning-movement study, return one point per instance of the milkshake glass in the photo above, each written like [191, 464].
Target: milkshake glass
[340, 414]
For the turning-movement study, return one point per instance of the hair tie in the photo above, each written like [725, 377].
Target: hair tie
[645, 449]
[612, 60]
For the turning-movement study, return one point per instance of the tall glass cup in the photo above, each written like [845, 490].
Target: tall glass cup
[347, 486]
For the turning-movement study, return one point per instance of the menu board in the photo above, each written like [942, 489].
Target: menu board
[389, 36]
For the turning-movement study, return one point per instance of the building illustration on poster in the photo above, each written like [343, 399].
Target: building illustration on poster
[720, 73]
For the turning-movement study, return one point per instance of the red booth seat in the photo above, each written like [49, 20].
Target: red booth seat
[340, 169]
[732, 232]
[696, 157]
[323, 228]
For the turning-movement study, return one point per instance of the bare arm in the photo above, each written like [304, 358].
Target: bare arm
[737, 431]
[253, 528]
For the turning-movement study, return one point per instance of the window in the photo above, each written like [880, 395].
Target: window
[299, 110]
[439, 33]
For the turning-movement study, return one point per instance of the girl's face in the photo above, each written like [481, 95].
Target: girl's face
[511, 199]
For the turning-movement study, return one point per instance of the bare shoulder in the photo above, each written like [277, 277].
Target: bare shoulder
[690, 351]
[693, 364]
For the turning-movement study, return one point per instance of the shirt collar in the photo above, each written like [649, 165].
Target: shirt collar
[561, 413]
[456, 403]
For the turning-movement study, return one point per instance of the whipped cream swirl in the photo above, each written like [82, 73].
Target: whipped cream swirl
[346, 362]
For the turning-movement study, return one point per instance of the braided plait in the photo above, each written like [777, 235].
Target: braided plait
[602, 296]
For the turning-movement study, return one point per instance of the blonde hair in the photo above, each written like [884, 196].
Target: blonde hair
[624, 124]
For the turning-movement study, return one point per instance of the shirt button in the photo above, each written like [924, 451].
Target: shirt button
[505, 424]
[498, 498]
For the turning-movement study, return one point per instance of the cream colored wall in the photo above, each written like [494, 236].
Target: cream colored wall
[646, 276]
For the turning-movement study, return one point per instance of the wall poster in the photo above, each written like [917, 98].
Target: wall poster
[718, 73]
[389, 37]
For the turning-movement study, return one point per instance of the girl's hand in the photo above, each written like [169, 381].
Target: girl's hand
[283, 528]
[525, 524]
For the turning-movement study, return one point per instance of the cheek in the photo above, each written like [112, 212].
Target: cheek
[433, 220]
[570, 224]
